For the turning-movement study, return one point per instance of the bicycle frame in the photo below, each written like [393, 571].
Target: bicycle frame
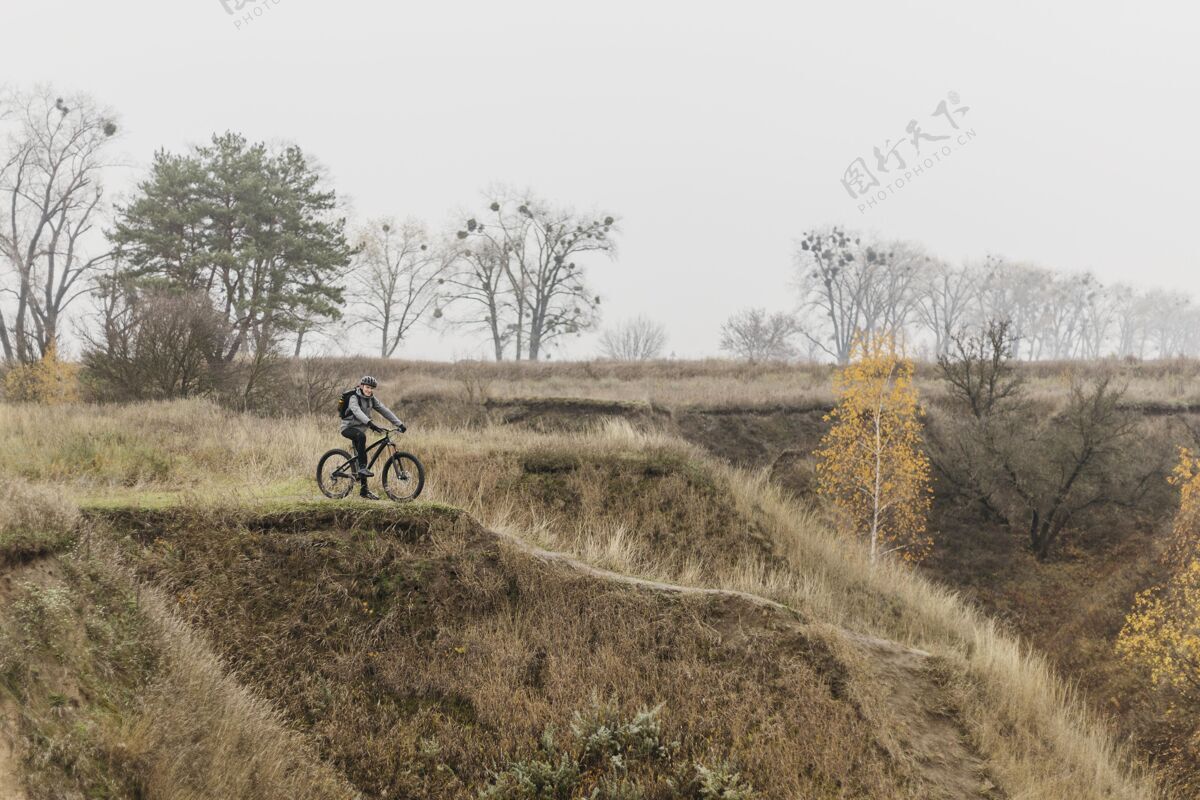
[378, 446]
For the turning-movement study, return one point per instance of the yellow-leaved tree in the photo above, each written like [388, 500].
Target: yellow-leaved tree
[1162, 632]
[1185, 531]
[48, 381]
[871, 463]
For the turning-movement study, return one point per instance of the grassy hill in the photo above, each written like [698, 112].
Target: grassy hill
[561, 581]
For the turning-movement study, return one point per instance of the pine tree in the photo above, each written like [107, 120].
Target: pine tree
[254, 229]
[870, 463]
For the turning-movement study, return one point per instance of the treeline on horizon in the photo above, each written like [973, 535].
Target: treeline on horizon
[233, 254]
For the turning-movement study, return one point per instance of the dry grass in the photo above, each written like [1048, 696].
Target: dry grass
[644, 504]
[178, 445]
[716, 383]
[1039, 740]
[35, 520]
[199, 733]
[668, 383]
[112, 697]
[422, 654]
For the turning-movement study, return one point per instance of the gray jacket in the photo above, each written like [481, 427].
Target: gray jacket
[359, 411]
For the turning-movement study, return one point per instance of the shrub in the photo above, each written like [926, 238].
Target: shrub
[49, 381]
[308, 386]
[535, 779]
[1162, 631]
[611, 757]
[638, 339]
[158, 345]
[602, 735]
[755, 336]
[722, 783]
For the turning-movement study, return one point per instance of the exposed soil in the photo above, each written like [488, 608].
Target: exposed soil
[753, 437]
[566, 414]
[744, 436]
[925, 721]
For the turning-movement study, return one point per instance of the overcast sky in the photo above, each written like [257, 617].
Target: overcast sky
[717, 135]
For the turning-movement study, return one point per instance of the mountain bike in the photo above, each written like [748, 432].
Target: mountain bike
[403, 473]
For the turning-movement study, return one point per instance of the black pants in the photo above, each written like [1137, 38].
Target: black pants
[359, 437]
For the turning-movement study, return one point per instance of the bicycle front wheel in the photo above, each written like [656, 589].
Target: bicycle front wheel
[403, 477]
[335, 474]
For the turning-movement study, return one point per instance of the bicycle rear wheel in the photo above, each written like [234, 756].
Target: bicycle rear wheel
[403, 477]
[335, 474]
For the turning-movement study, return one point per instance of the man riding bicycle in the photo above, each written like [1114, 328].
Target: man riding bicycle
[356, 419]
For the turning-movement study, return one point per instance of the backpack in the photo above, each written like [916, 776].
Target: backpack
[343, 404]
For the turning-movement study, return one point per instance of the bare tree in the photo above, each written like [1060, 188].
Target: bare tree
[1062, 324]
[894, 286]
[1101, 311]
[477, 291]
[1035, 467]
[1069, 316]
[983, 392]
[1168, 325]
[1132, 315]
[1017, 293]
[397, 278]
[978, 371]
[52, 198]
[1075, 462]
[943, 302]
[156, 344]
[833, 278]
[532, 248]
[638, 339]
[754, 335]
[848, 285]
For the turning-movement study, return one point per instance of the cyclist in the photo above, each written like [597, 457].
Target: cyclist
[355, 421]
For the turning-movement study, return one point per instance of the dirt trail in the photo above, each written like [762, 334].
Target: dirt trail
[925, 723]
[618, 577]
[930, 734]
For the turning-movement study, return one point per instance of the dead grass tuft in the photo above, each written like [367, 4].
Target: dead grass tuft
[34, 520]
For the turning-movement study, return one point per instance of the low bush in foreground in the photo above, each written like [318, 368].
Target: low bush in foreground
[610, 756]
